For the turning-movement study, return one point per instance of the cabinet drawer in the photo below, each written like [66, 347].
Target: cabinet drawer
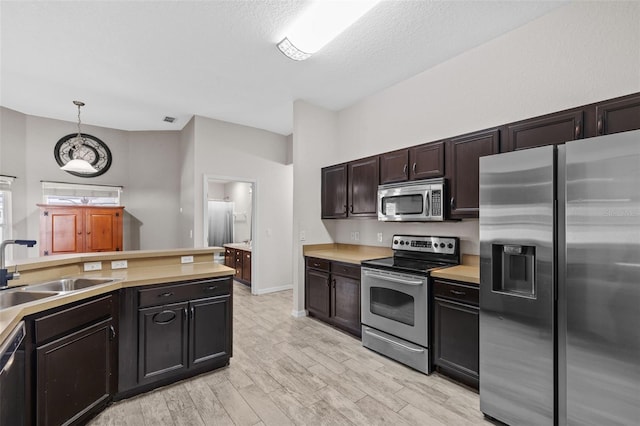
[165, 294]
[315, 263]
[346, 270]
[62, 322]
[454, 291]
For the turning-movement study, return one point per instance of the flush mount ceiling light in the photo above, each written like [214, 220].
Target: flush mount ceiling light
[320, 23]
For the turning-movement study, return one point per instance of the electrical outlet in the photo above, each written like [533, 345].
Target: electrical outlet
[356, 236]
[186, 259]
[92, 266]
[379, 237]
[303, 236]
[353, 235]
[119, 264]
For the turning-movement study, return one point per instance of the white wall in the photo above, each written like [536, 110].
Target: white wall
[243, 153]
[241, 195]
[580, 53]
[153, 190]
[187, 185]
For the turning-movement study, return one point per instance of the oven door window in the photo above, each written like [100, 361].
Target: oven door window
[392, 304]
[403, 204]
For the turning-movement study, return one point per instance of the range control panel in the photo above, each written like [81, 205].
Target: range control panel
[444, 245]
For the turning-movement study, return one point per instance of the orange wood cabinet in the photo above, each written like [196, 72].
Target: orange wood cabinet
[79, 229]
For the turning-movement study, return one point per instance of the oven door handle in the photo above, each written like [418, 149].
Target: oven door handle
[393, 342]
[394, 279]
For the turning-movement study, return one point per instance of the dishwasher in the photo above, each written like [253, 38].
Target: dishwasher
[12, 402]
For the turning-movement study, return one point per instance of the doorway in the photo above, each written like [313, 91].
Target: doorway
[229, 222]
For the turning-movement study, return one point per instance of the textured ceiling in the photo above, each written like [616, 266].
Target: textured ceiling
[134, 62]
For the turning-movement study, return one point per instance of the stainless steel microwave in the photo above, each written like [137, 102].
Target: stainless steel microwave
[417, 201]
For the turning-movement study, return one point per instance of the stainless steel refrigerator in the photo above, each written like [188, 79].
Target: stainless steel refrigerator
[560, 283]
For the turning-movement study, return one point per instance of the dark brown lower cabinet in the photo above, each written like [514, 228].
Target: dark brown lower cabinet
[332, 293]
[74, 352]
[456, 331]
[173, 331]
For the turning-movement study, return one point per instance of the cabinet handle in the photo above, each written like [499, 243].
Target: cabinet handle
[404, 169]
[453, 203]
[600, 125]
[113, 332]
[167, 294]
[334, 283]
[193, 312]
[457, 293]
[88, 232]
[413, 168]
[351, 208]
[211, 288]
[577, 130]
[79, 233]
[172, 313]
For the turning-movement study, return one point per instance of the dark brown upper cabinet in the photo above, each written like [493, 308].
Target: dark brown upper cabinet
[550, 129]
[463, 154]
[618, 115]
[394, 166]
[334, 192]
[427, 161]
[362, 191]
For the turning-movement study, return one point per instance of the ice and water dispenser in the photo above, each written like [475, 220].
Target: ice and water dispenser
[514, 269]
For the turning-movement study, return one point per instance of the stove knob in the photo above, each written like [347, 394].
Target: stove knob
[395, 242]
[441, 245]
[401, 242]
[450, 245]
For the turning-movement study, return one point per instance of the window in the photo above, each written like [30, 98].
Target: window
[79, 194]
[5, 207]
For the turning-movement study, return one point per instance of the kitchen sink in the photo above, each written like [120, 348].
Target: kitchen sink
[69, 284]
[13, 298]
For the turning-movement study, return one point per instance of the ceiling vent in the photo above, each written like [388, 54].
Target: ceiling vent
[169, 119]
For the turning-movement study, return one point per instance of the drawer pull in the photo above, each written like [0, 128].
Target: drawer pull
[457, 293]
[157, 318]
[316, 264]
[211, 288]
[166, 294]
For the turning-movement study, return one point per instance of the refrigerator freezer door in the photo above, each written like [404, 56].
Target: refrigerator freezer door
[517, 193]
[603, 280]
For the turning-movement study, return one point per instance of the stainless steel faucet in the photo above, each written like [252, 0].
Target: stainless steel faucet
[5, 275]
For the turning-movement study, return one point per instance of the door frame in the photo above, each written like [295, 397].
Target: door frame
[254, 225]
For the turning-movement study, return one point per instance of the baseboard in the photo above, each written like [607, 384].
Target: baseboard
[273, 289]
[299, 314]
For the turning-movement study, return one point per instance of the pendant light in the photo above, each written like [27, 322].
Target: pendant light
[78, 164]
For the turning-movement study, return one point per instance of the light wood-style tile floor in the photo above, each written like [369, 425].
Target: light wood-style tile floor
[298, 371]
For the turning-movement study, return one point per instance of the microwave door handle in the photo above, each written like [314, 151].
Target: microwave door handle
[393, 279]
[427, 200]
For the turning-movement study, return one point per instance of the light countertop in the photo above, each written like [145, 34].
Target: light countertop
[468, 271]
[154, 273]
[347, 253]
[239, 246]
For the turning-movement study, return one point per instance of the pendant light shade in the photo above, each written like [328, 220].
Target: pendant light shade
[77, 164]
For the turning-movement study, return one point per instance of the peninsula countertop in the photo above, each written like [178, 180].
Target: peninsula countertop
[145, 268]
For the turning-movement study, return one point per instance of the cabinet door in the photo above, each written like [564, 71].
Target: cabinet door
[209, 330]
[427, 161]
[61, 231]
[464, 182]
[548, 130]
[317, 293]
[363, 187]
[246, 266]
[74, 374]
[394, 166]
[334, 192]
[229, 257]
[345, 303]
[239, 264]
[103, 228]
[618, 115]
[456, 340]
[162, 341]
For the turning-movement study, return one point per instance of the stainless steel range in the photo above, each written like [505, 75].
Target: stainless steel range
[395, 297]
